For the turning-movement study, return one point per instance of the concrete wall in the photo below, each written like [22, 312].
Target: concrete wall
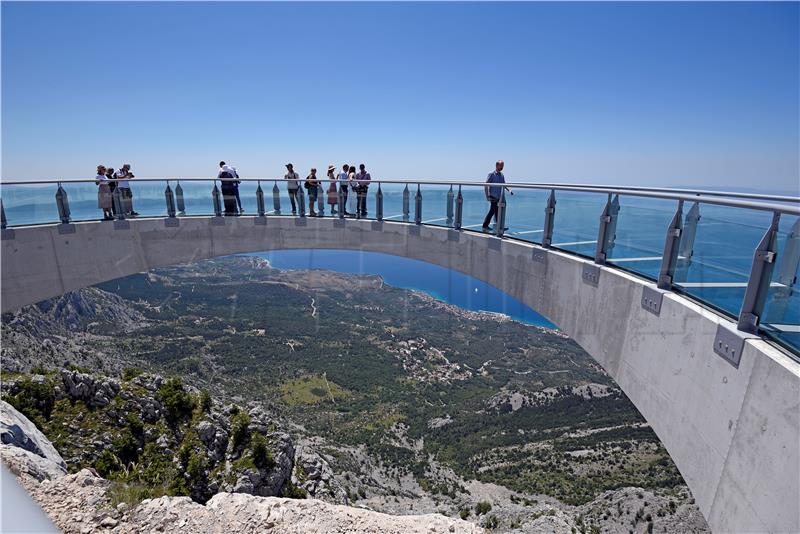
[734, 433]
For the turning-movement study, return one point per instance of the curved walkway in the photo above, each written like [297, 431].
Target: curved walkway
[733, 431]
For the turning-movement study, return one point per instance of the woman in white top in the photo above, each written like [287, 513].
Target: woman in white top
[103, 193]
[351, 200]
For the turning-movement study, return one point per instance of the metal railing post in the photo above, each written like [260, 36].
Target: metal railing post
[3, 220]
[450, 198]
[170, 202]
[549, 219]
[260, 207]
[181, 204]
[459, 210]
[276, 199]
[405, 203]
[672, 243]
[689, 234]
[301, 199]
[116, 198]
[62, 201]
[359, 196]
[215, 198]
[606, 233]
[379, 204]
[418, 206]
[320, 199]
[501, 214]
[760, 277]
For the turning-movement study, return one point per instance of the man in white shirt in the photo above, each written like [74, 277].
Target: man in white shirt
[292, 186]
[124, 176]
[362, 186]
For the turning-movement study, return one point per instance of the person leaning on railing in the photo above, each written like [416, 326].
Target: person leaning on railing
[103, 193]
[226, 177]
[494, 193]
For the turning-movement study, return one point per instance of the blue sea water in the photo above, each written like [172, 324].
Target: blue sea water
[443, 284]
[716, 275]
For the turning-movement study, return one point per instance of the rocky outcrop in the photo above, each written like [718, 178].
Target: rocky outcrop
[80, 503]
[313, 473]
[18, 431]
[94, 392]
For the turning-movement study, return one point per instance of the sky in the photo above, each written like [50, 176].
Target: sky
[660, 94]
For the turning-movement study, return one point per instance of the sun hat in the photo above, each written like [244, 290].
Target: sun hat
[331, 168]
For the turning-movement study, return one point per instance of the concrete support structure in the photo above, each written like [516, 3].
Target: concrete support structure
[733, 432]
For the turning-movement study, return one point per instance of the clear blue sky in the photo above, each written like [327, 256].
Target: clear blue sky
[666, 94]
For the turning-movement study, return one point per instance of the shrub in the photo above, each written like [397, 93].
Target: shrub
[294, 492]
[205, 401]
[35, 400]
[464, 513]
[177, 403]
[129, 373]
[106, 464]
[239, 423]
[482, 507]
[260, 450]
[491, 522]
[126, 447]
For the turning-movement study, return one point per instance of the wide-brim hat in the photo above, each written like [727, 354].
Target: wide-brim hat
[331, 168]
[289, 165]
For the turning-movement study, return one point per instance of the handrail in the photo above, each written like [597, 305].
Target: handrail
[678, 249]
[687, 195]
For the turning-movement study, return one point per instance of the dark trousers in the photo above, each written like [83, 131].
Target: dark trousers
[113, 187]
[492, 212]
[292, 198]
[343, 198]
[361, 206]
[312, 198]
[126, 195]
[236, 194]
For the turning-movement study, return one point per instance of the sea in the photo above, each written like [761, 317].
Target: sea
[716, 273]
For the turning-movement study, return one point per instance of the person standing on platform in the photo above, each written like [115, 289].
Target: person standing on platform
[494, 193]
[103, 193]
[226, 177]
[362, 186]
[112, 184]
[333, 196]
[343, 188]
[312, 186]
[124, 177]
[351, 180]
[292, 186]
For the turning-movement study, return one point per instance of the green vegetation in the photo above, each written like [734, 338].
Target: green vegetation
[260, 452]
[35, 399]
[239, 423]
[483, 507]
[177, 402]
[311, 390]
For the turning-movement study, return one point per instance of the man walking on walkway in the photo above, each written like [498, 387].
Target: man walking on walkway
[292, 186]
[494, 192]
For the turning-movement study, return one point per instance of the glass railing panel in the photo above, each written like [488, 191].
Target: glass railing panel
[781, 318]
[83, 201]
[434, 205]
[716, 268]
[576, 223]
[639, 232]
[525, 213]
[475, 207]
[29, 204]
[197, 199]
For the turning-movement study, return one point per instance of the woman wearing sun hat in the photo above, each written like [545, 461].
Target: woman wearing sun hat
[333, 196]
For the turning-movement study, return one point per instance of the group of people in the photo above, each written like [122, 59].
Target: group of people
[108, 182]
[339, 188]
[336, 195]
